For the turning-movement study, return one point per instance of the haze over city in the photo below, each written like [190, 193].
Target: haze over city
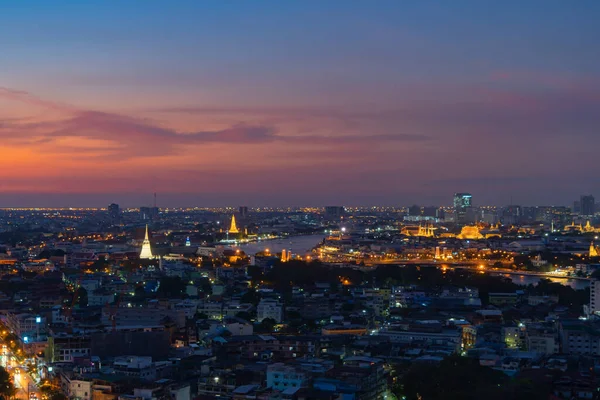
[298, 103]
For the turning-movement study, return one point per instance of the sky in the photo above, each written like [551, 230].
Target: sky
[226, 103]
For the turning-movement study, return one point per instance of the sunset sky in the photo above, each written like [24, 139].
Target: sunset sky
[216, 103]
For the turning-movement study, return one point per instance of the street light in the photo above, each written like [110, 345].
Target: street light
[38, 321]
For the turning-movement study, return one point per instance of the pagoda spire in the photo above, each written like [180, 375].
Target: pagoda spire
[593, 250]
[146, 252]
[233, 228]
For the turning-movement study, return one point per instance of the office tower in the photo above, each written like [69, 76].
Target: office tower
[529, 213]
[114, 212]
[145, 213]
[429, 212]
[414, 210]
[512, 215]
[588, 205]
[334, 211]
[560, 215]
[440, 214]
[462, 206]
[149, 213]
[243, 212]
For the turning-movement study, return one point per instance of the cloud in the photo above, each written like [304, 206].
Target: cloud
[131, 137]
[27, 98]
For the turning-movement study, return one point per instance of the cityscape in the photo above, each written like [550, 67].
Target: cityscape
[326, 302]
[289, 200]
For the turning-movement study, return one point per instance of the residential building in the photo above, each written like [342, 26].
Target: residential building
[268, 308]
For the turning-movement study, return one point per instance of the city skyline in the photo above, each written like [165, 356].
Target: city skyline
[297, 104]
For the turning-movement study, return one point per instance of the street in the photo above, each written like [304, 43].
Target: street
[24, 383]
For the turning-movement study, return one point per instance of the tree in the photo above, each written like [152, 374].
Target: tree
[455, 377]
[57, 395]
[52, 394]
[81, 297]
[294, 315]
[244, 315]
[139, 292]
[267, 325]
[205, 285]
[7, 389]
[171, 287]
[251, 296]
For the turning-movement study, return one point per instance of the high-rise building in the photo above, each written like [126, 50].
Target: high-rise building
[430, 212]
[512, 215]
[414, 210]
[594, 296]
[462, 206]
[114, 212]
[148, 213]
[334, 211]
[440, 214]
[588, 205]
[243, 212]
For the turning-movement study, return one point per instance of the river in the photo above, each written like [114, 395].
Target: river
[577, 284]
[301, 245]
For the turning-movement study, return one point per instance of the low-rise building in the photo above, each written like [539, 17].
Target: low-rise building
[268, 308]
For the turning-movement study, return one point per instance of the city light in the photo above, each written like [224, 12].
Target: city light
[318, 199]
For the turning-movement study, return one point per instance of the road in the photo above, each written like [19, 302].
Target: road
[24, 383]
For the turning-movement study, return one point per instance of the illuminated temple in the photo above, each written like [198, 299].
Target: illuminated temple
[146, 253]
[573, 228]
[470, 232]
[593, 250]
[421, 231]
[588, 228]
[233, 228]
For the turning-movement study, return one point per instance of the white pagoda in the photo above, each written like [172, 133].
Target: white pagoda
[146, 253]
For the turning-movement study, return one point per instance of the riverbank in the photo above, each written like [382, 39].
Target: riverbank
[301, 245]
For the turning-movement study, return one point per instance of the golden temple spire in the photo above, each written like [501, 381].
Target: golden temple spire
[593, 250]
[233, 228]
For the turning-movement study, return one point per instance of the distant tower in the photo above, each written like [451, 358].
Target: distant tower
[233, 228]
[593, 250]
[437, 253]
[283, 255]
[463, 202]
[146, 252]
[114, 212]
[587, 205]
